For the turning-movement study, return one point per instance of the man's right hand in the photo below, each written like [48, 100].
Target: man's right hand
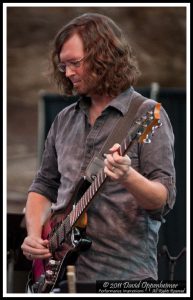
[34, 247]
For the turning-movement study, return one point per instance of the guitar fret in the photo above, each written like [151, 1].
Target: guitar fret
[77, 209]
[86, 196]
[84, 199]
[89, 194]
[80, 207]
[98, 180]
[92, 189]
[75, 214]
[83, 203]
[72, 217]
[95, 185]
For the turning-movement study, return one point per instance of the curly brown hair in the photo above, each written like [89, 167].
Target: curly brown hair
[111, 63]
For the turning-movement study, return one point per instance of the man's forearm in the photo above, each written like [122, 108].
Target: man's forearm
[37, 212]
[150, 194]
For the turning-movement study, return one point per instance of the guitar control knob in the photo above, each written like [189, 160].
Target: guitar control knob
[49, 273]
[50, 276]
[53, 262]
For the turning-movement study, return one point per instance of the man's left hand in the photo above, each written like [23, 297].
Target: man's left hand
[117, 167]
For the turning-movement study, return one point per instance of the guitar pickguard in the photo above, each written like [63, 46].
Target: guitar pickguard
[47, 273]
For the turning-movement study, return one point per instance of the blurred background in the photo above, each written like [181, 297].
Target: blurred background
[157, 36]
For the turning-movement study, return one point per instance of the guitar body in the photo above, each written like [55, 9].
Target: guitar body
[47, 273]
[65, 246]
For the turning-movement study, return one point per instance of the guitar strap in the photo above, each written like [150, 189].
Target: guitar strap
[117, 134]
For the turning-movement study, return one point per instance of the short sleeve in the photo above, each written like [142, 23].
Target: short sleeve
[157, 159]
[47, 179]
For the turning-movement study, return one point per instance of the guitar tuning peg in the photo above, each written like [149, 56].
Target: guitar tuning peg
[147, 140]
[143, 118]
[138, 122]
[153, 130]
[139, 133]
[150, 112]
[159, 123]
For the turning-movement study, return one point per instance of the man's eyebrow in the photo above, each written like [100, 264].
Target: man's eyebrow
[68, 60]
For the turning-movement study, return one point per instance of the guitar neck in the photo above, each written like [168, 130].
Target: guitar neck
[94, 188]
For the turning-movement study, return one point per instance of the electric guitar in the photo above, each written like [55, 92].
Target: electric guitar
[66, 232]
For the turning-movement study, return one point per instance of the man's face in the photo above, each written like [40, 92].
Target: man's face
[72, 51]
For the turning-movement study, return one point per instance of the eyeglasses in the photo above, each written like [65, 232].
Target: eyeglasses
[73, 65]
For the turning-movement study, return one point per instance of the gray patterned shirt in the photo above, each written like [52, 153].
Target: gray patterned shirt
[124, 235]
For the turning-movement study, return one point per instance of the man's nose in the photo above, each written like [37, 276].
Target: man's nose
[69, 72]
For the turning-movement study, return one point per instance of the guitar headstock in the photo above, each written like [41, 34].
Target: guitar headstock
[148, 124]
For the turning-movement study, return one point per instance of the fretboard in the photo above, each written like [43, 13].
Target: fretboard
[97, 183]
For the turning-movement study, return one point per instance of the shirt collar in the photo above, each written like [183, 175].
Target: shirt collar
[120, 103]
[83, 103]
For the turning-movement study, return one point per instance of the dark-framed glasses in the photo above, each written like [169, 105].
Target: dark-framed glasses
[73, 65]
